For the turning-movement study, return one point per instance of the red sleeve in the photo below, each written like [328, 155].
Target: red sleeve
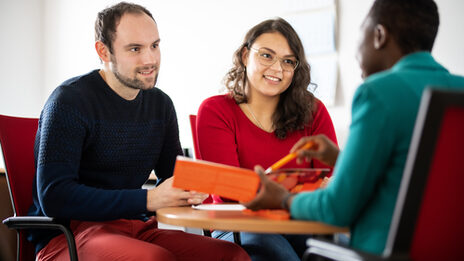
[216, 131]
[322, 124]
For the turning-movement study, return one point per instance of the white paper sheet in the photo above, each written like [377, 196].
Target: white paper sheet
[237, 207]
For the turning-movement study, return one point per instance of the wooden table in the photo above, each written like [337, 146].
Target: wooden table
[238, 221]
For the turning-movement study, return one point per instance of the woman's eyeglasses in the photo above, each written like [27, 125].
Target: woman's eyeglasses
[267, 58]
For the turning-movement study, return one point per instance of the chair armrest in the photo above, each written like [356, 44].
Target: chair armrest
[336, 252]
[36, 222]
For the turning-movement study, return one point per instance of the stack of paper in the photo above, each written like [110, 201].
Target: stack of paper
[214, 178]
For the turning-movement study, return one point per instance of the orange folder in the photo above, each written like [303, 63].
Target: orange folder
[214, 178]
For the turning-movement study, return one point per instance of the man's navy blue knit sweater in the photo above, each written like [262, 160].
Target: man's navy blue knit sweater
[94, 150]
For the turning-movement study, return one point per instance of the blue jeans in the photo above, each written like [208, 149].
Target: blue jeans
[269, 246]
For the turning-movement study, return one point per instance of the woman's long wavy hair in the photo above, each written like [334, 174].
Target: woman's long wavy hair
[296, 104]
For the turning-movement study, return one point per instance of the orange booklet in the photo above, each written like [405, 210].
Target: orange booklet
[214, 178]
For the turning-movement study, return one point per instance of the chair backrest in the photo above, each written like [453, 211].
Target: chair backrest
[196, 148]
[193, 127]
[429, 213]
[17, 136]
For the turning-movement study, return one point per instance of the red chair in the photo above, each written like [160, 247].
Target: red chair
[193, 127]
[196, 147]
[428, 221]
[17, 136]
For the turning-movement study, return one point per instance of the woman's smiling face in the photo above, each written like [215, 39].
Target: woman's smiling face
[270, 80]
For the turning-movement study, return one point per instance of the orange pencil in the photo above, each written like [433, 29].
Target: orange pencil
[287, 158]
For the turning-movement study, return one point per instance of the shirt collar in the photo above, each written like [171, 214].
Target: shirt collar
[423, 60]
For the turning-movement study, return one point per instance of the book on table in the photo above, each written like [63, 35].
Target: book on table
[213, 178]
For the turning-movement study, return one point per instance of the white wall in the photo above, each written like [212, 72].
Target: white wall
[44, 42]
[21, 57]
[449, 44]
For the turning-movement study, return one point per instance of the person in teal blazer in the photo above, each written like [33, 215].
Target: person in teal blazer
[395, 57]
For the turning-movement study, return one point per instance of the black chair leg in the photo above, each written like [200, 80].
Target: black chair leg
[237, 238]
[207, 232]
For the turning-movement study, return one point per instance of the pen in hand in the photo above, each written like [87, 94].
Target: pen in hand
[288, 158]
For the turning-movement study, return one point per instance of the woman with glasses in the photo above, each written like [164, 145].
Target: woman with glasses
[267, 109]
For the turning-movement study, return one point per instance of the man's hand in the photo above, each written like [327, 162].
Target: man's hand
[324, 150]
[270, 195]
[165, 195]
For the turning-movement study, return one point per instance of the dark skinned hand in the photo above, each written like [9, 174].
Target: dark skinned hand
[324, 150]
[270, 195]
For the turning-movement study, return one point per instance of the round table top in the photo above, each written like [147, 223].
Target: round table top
[237, 220]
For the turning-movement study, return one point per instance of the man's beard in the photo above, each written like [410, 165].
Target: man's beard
[133, 83]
